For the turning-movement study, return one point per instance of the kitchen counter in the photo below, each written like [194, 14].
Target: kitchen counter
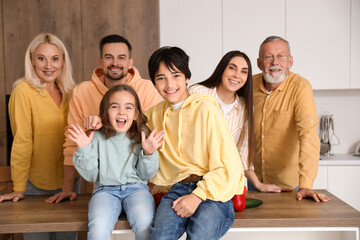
[339, 160]
[283, 210]
[278, 210]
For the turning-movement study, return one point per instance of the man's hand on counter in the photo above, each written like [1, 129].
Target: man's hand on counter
[309, 193]
[67, 192]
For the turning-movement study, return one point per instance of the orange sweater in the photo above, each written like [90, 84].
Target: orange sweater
[87, 97]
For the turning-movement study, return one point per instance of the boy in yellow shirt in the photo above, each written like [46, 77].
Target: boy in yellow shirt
[198, 157]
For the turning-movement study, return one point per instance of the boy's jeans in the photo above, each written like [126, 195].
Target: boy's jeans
[106, 205]
[210, 221]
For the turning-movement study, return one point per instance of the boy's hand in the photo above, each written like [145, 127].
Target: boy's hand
[79, 136]
[152, 143]
[186, 206]
[92, 122]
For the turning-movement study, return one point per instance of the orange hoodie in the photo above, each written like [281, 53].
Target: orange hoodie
[87, 96]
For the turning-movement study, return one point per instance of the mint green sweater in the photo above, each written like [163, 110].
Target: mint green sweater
[109, 162]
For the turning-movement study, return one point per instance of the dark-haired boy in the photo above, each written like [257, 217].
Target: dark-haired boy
[198, 157]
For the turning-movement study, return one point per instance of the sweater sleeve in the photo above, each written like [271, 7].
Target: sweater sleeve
[75, 116]
[22, 148]
[306, 126]
[86, 162]
[147, 166]
[243, 146]
[226, 175]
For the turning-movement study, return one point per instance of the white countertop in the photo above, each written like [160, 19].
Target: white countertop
[339, 159]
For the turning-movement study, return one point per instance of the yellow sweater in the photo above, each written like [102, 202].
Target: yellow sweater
[197, 141]
[38, 126]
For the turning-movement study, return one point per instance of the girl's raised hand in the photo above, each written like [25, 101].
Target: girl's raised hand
[78, 135]
[153, 142]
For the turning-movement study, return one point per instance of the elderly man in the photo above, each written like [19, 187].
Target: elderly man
[287, 146]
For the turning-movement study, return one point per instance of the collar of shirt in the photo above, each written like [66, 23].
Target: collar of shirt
[236, 101]
[280, 88]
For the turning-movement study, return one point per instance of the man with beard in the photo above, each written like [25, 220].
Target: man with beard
[287, 147]
[115, 68]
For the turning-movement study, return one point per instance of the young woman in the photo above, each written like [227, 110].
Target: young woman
[38, 109]
[119, 159]
[231, 85]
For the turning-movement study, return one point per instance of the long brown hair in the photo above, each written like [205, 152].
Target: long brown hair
[246, 92]
[137, 126]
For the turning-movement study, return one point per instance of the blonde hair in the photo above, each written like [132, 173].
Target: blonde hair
[65, 81]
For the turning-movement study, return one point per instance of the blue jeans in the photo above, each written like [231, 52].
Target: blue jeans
[32, 190]
[106, 205]
[210, 221]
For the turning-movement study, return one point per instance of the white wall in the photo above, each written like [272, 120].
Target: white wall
[345, 107]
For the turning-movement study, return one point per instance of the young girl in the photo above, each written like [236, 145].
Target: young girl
[119, 159]
[231, 85]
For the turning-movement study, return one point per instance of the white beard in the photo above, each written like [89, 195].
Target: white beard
[276, 79]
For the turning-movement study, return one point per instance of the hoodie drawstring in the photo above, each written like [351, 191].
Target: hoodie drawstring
[179, 129]
[163, 123]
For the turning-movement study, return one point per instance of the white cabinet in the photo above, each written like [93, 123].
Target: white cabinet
[196, 27]
[247, 23]
[318, 32]
[355, 44]
[324, 35]
[319, 36]
[342, 181]
[321, 181]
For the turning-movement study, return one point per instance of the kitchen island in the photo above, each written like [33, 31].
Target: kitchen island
[278, 211]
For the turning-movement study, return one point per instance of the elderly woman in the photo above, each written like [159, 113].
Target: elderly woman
[38, 110]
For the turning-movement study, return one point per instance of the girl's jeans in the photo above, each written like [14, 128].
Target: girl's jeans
[106, 205]
[210, 221]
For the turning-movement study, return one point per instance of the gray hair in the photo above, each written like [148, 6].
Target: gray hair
[273, 39]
